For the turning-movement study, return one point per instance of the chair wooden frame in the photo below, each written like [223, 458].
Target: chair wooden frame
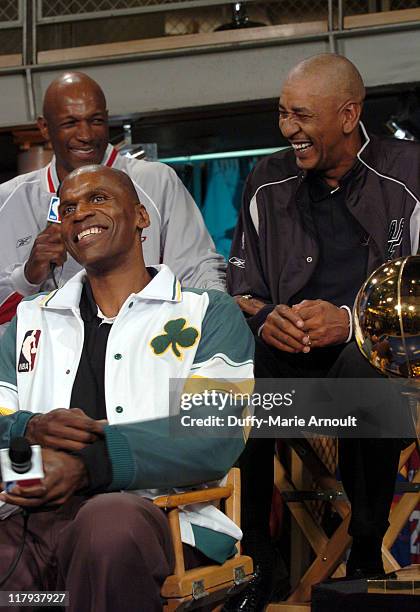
[210, 582]
[330, 551]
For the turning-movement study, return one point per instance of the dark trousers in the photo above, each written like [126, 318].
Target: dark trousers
[112, 552]
[368, 467]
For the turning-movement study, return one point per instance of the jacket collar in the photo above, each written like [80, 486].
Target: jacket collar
[370, 150]
[164, 287]
[51, 178]
[366, 137]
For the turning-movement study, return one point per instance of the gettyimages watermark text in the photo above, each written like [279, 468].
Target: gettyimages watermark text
[292, 408]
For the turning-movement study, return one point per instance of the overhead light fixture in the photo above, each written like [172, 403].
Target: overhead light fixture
[404, 123]
[399, 132]
[240, 19]
[136, 150]
[133, 153]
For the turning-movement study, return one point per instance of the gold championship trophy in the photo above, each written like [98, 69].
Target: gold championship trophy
[387, 330]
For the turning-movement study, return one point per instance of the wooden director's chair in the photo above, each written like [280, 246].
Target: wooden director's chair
[329, 552]
[204, 588]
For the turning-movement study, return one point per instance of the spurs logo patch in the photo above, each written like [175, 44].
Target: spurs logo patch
[395, 235]
[29, 350]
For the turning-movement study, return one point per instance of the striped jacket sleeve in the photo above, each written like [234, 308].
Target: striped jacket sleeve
[245, 275]
[12, 420]
[149, 454]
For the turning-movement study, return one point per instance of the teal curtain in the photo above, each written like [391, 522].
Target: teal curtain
[225, 181]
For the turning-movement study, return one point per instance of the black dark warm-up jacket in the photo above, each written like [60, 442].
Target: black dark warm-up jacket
[274, 253]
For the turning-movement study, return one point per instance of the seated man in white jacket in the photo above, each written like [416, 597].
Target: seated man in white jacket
[106, 345]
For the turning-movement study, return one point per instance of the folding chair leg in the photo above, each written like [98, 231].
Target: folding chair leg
[325, 563]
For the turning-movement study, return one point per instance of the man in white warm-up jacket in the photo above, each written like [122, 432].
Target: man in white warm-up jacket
[84, 372]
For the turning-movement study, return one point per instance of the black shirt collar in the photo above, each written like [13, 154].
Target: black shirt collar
[88, 307]
[320, 190]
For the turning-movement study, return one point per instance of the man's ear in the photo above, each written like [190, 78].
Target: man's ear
[43, 127]
[351, 116]
[143, 219]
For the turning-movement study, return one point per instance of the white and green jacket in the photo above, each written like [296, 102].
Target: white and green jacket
[162, 333]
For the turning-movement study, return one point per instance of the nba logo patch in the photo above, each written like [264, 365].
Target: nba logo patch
[53, 216]
[29, 350]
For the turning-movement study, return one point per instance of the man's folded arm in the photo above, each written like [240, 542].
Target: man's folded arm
[257, 321]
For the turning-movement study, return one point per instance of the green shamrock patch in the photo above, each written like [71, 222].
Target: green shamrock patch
[176, 335]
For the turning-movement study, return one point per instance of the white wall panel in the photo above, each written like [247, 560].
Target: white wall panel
[13, 101]
[385, 59]
[193, 80]
[201, 79]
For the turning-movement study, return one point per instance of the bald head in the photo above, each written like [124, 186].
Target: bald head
[96, 173]
[332, 75]
[73, 85]
[75, 121]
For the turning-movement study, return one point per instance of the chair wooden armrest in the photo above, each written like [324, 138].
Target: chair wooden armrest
[184, 584]
[193, 497]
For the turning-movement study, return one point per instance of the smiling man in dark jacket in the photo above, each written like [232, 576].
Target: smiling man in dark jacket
[316, 220]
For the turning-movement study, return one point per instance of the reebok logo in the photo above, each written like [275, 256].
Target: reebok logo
[22, 241]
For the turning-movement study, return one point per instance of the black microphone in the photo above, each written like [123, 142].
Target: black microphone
[20, 459]
[21, 463]
[20, 455]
